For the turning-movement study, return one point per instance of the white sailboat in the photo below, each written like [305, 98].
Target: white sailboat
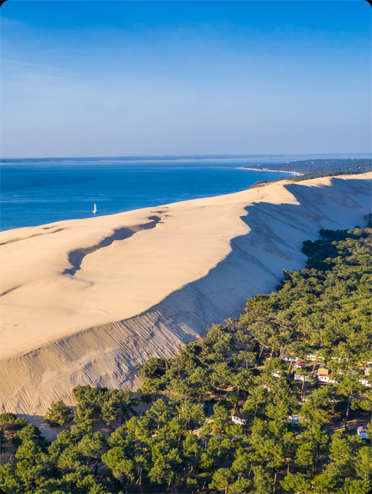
[94, 209]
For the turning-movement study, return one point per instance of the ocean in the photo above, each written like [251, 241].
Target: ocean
[38, 192]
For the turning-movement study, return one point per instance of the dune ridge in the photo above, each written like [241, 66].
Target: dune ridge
[85, 301]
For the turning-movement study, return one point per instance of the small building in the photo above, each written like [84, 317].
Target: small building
[326, 379]
[323, 370]
[362, 432]
[323, 379]
[289, 359]
[365, 382]
[276, 373]
[299, 364]
[368, 371]
[296, 377]
[238, 419]
[313, 357]
[294, 419]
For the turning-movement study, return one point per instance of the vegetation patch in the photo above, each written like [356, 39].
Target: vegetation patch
[321, 167]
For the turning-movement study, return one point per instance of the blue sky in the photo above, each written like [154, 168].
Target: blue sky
[101, 78]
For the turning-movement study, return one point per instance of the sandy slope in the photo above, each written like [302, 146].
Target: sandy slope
[84, 301]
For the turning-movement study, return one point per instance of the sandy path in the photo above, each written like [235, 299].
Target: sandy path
[84, 301]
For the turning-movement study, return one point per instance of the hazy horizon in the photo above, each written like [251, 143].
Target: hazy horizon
[115, 79]
[191, 157]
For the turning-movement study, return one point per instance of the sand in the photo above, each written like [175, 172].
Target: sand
[85, 301]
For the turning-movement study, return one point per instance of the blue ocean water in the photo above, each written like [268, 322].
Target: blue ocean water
[35, 193]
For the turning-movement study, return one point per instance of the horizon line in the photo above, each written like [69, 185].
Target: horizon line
[177, 157]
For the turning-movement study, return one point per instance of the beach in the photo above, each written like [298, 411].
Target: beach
[271, 171]
[84, 301]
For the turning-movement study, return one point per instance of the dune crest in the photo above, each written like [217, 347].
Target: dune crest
[85, 301]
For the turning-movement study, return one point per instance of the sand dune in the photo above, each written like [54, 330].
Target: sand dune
[84, 301]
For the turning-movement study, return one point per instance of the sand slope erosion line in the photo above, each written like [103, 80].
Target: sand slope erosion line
[30, 236]
[75, 257]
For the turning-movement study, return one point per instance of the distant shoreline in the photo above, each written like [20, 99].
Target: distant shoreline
[267, 170]
[315, 168]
